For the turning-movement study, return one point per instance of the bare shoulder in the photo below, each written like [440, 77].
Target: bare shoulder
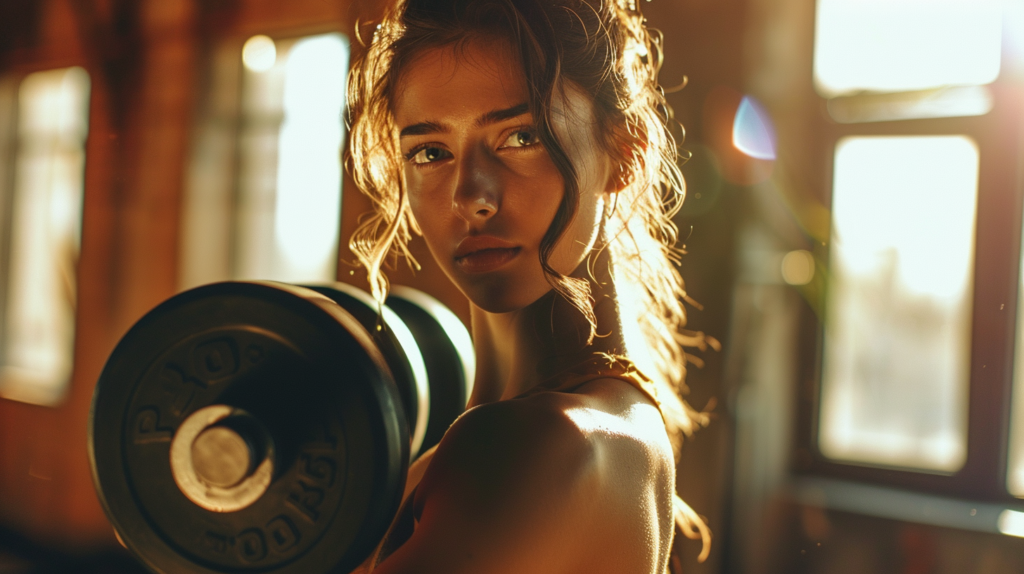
[583, 480]
[587, 435]
[529, 447]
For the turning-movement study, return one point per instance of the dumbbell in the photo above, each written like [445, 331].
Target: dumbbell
[266, 427]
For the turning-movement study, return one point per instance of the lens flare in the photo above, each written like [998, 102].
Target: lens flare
[752, 131]
[798, 267]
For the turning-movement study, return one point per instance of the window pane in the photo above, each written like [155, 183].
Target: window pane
[263, 199]
[289, 204]
[900, 45]
[44, 234]
[898, 316]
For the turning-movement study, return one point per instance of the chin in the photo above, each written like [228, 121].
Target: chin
[502, 294]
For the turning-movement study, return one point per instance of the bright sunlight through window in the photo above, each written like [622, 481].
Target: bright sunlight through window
[898, 316]
[902, 45]
[40, 289]
[289, 204]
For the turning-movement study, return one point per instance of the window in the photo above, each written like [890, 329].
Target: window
[264, 199]
[897, 168]
[905, 45]
[916, 94]
[41, 231]
[898, 319]
[881, 60]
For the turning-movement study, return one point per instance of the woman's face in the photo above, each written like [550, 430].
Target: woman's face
[481, 185]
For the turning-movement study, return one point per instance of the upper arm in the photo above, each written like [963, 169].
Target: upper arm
[510, 489]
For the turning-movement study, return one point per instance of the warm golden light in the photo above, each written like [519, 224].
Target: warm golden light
[287, 210]
[798, 267]
[259, 53]
[41, 283]
[902, 45]
[898, 315]
[308, 201]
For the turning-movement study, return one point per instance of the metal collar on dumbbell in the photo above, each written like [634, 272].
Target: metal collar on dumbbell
[214, 465]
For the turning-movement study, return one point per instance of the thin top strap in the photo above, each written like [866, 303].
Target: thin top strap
[600, 366]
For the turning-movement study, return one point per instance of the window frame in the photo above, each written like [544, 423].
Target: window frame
[996, 279]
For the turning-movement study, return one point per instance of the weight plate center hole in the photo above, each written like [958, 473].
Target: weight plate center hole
[221, 457]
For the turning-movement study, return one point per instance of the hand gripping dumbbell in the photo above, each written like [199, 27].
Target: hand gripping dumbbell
[264, 427]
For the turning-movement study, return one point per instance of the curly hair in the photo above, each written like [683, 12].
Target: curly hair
[603, 48]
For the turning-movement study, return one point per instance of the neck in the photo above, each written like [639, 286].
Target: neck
[517, 350]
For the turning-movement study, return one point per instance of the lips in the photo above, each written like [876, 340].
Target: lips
[482, 253]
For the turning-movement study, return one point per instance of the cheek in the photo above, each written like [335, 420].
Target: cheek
[581, 235]
[532, 196]
[428, 209]
[426, 194]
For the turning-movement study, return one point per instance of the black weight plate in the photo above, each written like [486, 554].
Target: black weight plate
[447, 351]
[399, 347]
[309, 373]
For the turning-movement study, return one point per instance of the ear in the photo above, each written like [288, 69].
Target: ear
[619, 175]
[619, 178]
[626, 151]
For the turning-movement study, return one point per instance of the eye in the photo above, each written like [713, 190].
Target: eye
[427, 154]
[520, 138]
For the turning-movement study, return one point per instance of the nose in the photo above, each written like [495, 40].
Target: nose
[477, 195]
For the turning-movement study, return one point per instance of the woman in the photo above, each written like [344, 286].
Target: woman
[528, 142]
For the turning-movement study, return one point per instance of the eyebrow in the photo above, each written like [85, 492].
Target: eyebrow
[491, 117]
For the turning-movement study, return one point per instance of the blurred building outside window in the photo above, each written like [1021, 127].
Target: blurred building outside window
[264, 198]
[898, 316]
[40, 233]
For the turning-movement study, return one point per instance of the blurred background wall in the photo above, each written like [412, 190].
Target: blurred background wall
[852, 228]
